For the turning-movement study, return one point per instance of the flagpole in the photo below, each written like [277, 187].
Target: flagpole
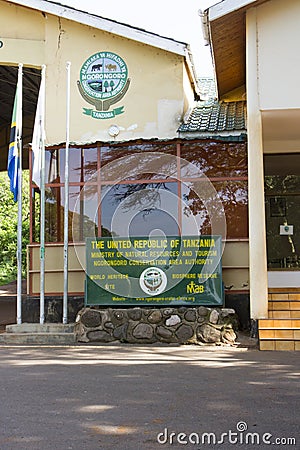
[42, 205]
[66, 211]
[19, 232]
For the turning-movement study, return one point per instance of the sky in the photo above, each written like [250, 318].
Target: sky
[177, 19]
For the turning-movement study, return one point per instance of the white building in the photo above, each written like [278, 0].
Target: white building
[255, 48]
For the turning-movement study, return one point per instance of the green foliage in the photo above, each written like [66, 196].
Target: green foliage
[8, 228]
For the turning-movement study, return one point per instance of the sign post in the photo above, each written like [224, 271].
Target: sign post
[154, 271]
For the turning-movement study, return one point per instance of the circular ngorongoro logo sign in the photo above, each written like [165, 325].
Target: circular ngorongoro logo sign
[103, 82]
[103, 75]
[153, 281]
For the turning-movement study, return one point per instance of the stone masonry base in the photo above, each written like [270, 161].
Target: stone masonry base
[180, 325]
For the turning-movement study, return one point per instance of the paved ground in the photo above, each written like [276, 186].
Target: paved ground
[124, 397]
[8, 303]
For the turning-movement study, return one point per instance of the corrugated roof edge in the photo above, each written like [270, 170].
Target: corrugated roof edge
[69, 12]
[190, 136]
[185, 137]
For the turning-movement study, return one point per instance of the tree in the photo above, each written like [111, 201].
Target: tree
[8, 228]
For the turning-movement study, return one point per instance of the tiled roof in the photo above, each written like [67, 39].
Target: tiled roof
[207, 88]
[215, 117]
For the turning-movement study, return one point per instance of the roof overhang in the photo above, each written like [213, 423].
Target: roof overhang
[226, 7]
[227, 34]
[104, 24]
[117, 28]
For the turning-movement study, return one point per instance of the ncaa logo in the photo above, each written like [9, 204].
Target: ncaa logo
[103, 82]
[153, 281]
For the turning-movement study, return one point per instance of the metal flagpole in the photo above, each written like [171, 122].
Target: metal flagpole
[66, 211]
[41, 112]
[19, 232]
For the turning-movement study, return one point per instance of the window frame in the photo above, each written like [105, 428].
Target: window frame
[179, 146]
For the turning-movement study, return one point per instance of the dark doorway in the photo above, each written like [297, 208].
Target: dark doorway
[282, 198]
[8, 82]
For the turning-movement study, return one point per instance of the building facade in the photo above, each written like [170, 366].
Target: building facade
[136, 141]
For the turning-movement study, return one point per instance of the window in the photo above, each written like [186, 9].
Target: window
[140, 187]
[282, 200]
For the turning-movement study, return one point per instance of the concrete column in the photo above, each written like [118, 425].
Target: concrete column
[257, 224]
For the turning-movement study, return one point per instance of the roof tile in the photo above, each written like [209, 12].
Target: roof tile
[215, 117]
[211, 116]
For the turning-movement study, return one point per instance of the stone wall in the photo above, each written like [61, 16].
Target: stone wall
[148, 325]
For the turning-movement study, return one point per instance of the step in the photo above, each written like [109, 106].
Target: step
[284, 290]
[281, 331]
[275, 333]
[284, 305]
[283, 296]
[283, 314]
[279, 344]
[279, 323]
[38, 338]
[40, 328]
[279, 334]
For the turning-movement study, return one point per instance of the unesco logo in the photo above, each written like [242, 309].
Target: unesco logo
[153, 281]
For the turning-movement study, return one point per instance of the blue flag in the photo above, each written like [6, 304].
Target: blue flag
[13, 163]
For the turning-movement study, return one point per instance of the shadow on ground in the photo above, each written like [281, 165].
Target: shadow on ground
[124, 396]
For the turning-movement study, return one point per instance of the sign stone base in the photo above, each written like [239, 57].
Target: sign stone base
[180, 325]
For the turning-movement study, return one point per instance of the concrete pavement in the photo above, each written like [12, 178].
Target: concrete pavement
[126, 397]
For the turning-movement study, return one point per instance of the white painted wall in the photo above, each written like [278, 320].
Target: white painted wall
[273, 97]
[288, 279]
[278, 39]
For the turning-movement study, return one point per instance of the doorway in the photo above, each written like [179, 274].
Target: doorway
[282, 201]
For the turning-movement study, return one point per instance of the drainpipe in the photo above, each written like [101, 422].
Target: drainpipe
[207, 41]
[193, 75]
[204, 23]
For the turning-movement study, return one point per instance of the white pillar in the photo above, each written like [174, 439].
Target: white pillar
[257, 223]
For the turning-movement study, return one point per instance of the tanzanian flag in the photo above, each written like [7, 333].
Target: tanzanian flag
[13, 163]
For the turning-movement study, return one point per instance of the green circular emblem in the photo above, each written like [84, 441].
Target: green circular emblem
[103, 75]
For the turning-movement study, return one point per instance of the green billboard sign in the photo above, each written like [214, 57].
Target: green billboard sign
[157, 271]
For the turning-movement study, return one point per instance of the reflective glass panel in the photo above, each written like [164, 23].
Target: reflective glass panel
[35, 217]
[282, 218]
[53, 215]
[195, 209]
[234, 197]
[206, 203]
[140, 209]
[214, 159]
[139, 162]
[82, 165]
[83, 213]
[52, 166]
